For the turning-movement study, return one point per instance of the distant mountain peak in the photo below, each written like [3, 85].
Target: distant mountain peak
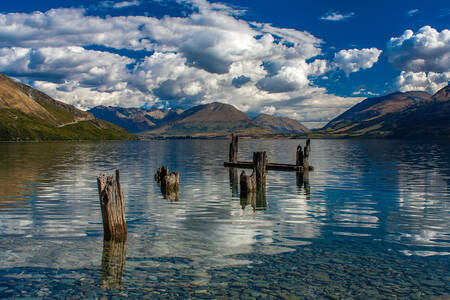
[281, 124]
[413, 113]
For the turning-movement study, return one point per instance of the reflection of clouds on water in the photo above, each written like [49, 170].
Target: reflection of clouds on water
[363, 189]
[422, 215]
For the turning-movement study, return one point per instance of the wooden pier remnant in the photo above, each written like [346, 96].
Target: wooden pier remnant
[301, 161]
[112, 203]
[260, 163]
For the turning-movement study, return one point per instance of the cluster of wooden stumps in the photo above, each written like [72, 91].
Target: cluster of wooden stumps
[252, 192]
[253, 186]
[112, 203]
[169, 183]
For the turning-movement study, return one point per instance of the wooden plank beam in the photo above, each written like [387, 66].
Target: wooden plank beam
[270, 166]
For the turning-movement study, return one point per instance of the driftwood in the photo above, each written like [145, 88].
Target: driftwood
[113, 263]
[233, 154]
[112, 203]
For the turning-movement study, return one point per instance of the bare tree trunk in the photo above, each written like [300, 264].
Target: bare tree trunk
[112, 203]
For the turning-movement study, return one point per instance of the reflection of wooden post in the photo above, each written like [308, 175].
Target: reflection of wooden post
[303, 181]
[260, 165]
[233, 155]
[112, 203]
[234, 180]
[113, 263]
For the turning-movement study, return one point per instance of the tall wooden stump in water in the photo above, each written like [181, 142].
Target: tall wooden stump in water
[112, 203]
[260, 165]
[113, 264]
[306, 151]
[233, 155]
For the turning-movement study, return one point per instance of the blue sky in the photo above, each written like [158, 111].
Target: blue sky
[309, 60]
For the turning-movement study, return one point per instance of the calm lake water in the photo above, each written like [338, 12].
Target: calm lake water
[371, 221]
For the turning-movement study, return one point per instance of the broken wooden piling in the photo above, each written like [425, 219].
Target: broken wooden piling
[233, 154]
[112, 203]
[248, 183]
[169, 183]
[260, 163]
[161, 173]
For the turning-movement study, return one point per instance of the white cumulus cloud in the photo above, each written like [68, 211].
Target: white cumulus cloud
[423, 57]
[352, 60]
[430, 82]
[208, 55]
[336, 16]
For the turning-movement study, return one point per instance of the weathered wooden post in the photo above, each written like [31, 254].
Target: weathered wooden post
[233, 155]
[260, 165]
[170, 183]
[299, 156]
[161, 173]
[113, 263]
[248, 183]
[306, 156]
[112, 203]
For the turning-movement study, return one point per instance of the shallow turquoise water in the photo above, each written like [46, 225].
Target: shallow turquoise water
[372, 220]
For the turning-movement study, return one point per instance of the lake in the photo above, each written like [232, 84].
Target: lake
[371, 221]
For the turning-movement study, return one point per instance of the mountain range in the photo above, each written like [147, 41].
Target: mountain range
[29, 115]
[397, 115]
[207, 120]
